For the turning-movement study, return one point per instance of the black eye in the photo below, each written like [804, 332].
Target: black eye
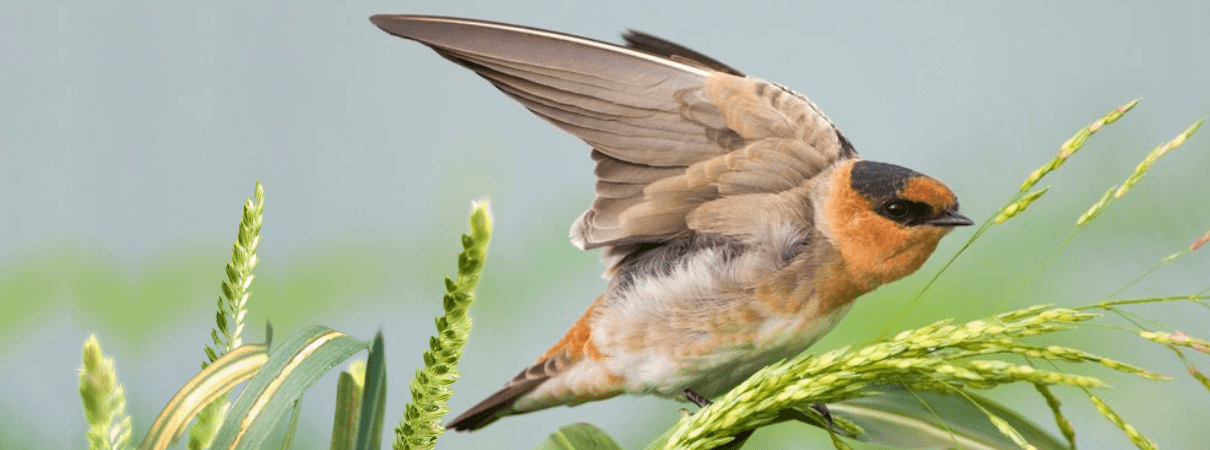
[896, 210]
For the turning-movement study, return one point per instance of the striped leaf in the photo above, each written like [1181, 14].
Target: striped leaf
[214, 381]
[291, 369]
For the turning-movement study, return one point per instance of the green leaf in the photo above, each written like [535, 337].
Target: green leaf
[374, 398]
[293, 427]
[291, 369]
[349, 390]
[211, 383]
[579, 436]
[932, 420]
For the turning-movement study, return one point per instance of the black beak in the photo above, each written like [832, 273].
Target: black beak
[950, 219]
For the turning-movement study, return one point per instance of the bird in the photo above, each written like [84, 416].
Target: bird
[737, 223]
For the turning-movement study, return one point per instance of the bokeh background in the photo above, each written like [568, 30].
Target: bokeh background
[131, 131]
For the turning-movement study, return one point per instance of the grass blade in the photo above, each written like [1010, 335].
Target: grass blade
[374, 398]
[349, 390]
[291, 369]
[293, 427]
[216, 380]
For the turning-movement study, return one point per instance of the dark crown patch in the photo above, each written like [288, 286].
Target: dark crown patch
[879, 181]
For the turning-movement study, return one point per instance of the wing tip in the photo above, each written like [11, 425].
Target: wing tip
[383, 20]
[396, 24]
[378, 19]
[391, 23]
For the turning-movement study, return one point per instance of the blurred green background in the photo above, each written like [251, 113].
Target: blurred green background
[131, 131]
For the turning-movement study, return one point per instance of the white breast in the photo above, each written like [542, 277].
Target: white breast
[782, 338]
[653, 333]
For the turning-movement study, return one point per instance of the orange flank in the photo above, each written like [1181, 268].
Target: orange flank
[577, 343]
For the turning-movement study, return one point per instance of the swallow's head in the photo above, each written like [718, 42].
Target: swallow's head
[904, 196]
[886, 220]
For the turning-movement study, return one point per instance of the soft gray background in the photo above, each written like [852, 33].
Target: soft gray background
[130, 131]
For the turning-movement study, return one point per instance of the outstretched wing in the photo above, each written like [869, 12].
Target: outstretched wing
[671, 129]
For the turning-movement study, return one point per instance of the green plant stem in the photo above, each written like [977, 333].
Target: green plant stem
[421, 423]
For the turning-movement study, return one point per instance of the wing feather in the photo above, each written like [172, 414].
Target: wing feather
[671, 129]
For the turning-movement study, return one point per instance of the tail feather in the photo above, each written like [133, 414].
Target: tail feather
[502, 402]
[563, 357]
[494, 407]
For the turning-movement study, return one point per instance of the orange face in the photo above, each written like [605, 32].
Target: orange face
[886, 220]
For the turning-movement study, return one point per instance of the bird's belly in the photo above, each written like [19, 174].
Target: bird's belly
[714, 373]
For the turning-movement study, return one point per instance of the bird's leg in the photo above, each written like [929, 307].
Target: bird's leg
[822, 409]
[696, 398]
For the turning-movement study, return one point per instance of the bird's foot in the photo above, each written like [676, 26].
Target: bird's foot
[822, 409]
[696, 398]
